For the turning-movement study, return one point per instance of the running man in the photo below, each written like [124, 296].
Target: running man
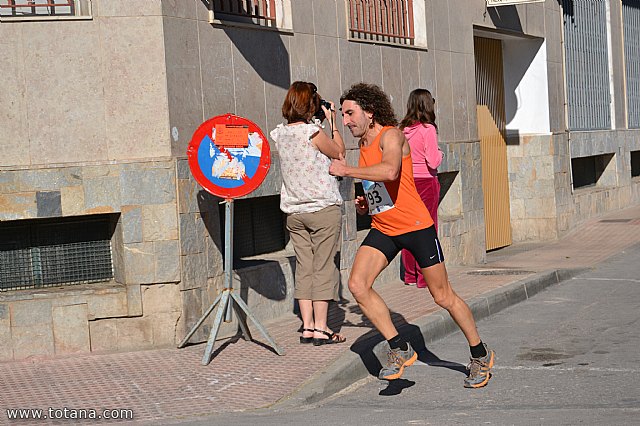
[399, 220]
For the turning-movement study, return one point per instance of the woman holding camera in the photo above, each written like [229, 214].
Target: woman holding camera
[311, 199]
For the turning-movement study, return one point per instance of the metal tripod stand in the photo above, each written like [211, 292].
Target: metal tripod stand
[225, 300]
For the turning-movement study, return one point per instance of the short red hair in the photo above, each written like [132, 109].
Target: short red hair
[301, 102]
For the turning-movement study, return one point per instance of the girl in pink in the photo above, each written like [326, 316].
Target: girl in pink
[419, 127]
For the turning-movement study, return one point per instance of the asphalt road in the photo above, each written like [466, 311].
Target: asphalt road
[568, 356]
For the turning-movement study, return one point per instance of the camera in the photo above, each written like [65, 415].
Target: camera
[320, 113]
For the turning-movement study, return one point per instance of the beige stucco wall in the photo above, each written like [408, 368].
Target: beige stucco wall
[84, 91]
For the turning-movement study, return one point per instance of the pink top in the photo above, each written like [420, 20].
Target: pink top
[425, 154]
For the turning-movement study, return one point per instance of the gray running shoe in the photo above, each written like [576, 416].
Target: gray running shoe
[480, 370]
[397, 360]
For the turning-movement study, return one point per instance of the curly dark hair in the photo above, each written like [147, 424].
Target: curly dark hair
[373, 99]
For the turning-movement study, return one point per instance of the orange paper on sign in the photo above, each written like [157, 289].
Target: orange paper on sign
[232, 136]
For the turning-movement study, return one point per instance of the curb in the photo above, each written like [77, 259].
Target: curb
[350, 367]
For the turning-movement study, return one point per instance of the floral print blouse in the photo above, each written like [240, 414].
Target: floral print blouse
[307, 186]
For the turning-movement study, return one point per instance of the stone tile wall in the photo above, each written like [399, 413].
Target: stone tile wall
[543, 204]
[531, 188]
[461, 229]
[145, 247]
[615, 189]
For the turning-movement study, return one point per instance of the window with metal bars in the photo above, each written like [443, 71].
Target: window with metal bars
[40, 253]
[44, 9]
[259, 12]
[385, 21]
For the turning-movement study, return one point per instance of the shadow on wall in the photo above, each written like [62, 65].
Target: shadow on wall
[265, 278]
[263, 50]
[208, 207]
[506, 18]
[446, 179]
[523, 76]
[518, 58]
[567, 7]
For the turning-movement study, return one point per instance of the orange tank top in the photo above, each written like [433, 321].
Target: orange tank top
[395, 207]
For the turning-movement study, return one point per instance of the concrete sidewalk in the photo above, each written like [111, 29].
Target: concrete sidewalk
[169, 385]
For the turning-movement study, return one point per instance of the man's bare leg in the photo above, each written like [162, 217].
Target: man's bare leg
[482, 358]
[444, 296]
[367, 265]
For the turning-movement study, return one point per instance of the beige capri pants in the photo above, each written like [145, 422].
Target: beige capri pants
[316, 239]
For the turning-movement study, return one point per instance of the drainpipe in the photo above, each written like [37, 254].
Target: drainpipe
[566, 103]
[570, 163]
[612, 103]
[624, 73]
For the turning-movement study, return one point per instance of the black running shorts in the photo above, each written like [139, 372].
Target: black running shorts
[423, 245]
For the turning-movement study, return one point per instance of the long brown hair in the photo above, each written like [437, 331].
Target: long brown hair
[420, 109]
[301, 102]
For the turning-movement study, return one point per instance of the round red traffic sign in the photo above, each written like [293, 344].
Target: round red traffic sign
[229, 156]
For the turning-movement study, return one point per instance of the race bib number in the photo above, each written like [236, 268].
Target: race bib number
[377, 197]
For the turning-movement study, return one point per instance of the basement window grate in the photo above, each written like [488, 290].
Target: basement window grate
[48, 253]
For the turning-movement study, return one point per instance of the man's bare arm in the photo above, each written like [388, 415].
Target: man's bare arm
[391, 144]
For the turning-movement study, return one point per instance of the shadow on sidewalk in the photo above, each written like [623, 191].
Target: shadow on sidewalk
[395, 387]
[365, 348]
[432, 360]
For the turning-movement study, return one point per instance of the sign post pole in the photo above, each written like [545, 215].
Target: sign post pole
[228, 254]
[220, 152]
